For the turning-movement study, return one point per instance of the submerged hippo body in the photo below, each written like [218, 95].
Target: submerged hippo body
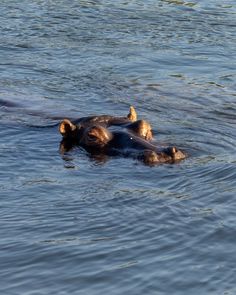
[125, 136]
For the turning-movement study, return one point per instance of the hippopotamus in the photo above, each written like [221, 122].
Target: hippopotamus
[132, 138]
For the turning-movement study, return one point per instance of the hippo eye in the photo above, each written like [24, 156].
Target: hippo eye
[93, 137]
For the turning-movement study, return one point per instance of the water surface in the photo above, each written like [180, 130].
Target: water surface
[74, 225]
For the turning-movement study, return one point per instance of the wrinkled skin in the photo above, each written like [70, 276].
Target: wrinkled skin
[99, 135]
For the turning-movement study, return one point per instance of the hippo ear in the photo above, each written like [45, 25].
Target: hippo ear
[132, 115]
[66, 128]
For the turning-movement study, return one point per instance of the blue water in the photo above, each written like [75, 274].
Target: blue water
[76, 225]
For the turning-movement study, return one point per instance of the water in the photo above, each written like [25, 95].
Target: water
[76, 225]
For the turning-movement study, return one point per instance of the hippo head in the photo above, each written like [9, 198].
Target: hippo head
[95, 137]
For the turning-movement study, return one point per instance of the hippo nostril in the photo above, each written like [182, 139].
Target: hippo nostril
[170, 151]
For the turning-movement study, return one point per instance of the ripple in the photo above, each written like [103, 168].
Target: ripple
[74, 224]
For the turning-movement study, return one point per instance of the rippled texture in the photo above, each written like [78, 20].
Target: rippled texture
[75, 225]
